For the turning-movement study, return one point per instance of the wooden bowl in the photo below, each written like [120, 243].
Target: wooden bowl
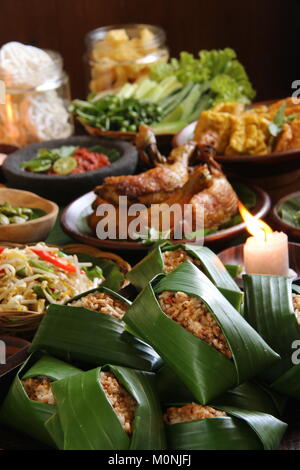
[33, 230]
[280, 224]
[235, 255]
[74, 224]
[12, 322]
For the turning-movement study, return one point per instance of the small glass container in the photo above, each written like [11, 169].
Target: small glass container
[36, 104]
[122, 53]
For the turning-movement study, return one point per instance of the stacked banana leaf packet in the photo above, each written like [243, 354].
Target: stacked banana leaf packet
[191, 362]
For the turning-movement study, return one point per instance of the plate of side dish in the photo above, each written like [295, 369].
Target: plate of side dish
[266, 134]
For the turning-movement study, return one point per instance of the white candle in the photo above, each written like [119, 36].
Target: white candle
[267, 256]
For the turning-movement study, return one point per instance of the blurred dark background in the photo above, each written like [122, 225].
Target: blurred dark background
[264, 33]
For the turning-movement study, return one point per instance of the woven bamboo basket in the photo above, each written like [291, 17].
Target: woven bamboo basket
[25, 323]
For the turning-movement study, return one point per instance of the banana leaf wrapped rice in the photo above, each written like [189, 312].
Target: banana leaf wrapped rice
[90, 329]
[209, 353]
[30, 401]
[273, 310]
[167, 257]
[198, 333]
[196, 427]
[253, 395]
[125, 411]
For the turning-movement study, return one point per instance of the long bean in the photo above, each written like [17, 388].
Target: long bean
[116, 113]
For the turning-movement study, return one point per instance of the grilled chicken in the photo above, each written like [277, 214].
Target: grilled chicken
[152, 216]
[155, 185]
[170, 182]
[218, 202]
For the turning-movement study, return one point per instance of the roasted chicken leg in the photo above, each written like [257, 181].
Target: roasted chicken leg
[155, 185]
[172, 181]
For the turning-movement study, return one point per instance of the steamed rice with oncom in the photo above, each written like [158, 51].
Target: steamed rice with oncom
[123, 403]
[190, 412]
[173, 258]
[104, 303]
[193, 315]
[39, 389]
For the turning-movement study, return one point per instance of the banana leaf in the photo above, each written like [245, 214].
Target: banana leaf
[171, 390]
[80, 334]
[28, 416]
[89, 422]
[289, 382]
[254, 396]
[249, 395]
[269, 309]
[234, 270]
[54, 429]
[204, 371]
[240, 430]
[211, 265]
[296, 288]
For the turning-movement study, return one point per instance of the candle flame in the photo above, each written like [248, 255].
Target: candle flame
[257, 227]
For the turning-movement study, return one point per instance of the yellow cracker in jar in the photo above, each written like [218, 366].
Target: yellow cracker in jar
[103, 81]
[122, 76]
[146, 36]
[118, 50]
[116, 35]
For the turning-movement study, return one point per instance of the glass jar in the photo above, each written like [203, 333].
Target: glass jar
[36, 103]
[123, 53]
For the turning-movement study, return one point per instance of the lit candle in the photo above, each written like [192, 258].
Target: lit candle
[266, 252]
[267, 256]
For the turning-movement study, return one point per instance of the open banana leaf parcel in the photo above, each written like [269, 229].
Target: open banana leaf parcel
[222, 428]
[198, 333]
[252, 396]
[273, 311]
[77, 333]
[166, 257]
[29, 402]
[111, 408]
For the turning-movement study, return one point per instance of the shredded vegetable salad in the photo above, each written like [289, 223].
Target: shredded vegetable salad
[35, 276]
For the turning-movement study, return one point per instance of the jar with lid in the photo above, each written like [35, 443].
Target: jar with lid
[37, 96]
[123, 53]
